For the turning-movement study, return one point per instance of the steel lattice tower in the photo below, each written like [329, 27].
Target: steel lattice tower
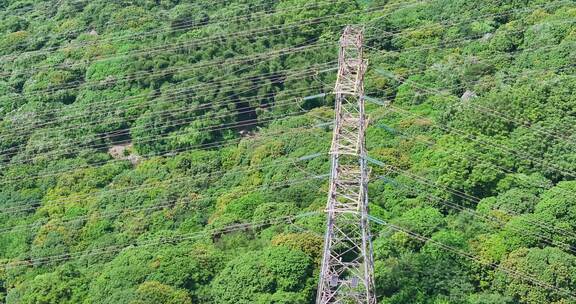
[347, 274]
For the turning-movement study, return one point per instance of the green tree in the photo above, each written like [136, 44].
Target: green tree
[152, 292]
[254, 275]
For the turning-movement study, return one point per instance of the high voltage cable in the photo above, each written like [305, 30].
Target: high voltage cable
[63, 203]
[131, 77]
[467, 39]
[57, 3]
[315, 20]
[187, 89]
[510, 272]
[547, 239]
[172, 182]
[79, 84]
[539, 130]
[493, 112]
[470, 256]
[81, 144]
[476, 139]
[59, 202]
[393, 33]
[411, 48]
[153, 51]
[171, 152]
[512, 76]
[501, 148]
[249, 33]
[116, 132]
[447, 22]
[171, 71]
[265, 55]
[181, 26]
[492, 14]
[64, 128]
[474, 213]
[467, 194]
[235, 125]
[469, 84]
[168, 124]
[420, 67]
[397, 6]
[169, 29]
[158, 241]
[301, 129]
[475, 199]
[515, 76]
[149, 186]
[183, 109]
[275, 134]
[178, 123]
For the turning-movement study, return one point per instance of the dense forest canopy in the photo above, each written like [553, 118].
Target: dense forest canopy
[176, 151]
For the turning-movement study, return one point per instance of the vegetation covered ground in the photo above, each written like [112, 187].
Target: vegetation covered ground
[176, 151]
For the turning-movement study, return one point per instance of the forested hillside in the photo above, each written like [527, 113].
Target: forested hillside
[177, 151]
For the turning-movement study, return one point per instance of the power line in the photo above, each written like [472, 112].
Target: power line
[172, 123]
[474, 138]
[159, 241]
[206, 146]
[474, 258]
[164, 204]
[493, 112]
[394, 34]
[548, 240]
[474, 213]
[475, 199]
[236, 18]
[483, 142]
[464, 39]
[171, 71]
[273, 77]
[187, 89]
[182, 26]
[422, 67]
[413, 48]
[300, 130]
[65, 150]
[450, 22]
[223, 127]
[250, 33]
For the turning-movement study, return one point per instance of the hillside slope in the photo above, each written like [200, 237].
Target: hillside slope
[176, 151]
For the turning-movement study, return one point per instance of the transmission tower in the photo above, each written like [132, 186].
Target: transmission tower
[347, 274]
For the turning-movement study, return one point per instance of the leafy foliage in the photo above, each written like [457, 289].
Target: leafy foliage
[174, 151]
